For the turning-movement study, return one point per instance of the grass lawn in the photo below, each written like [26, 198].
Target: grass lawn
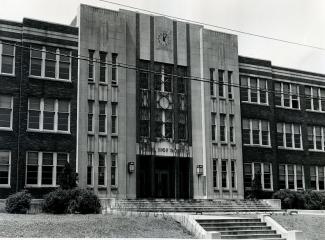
[313, 226]
[92, 226]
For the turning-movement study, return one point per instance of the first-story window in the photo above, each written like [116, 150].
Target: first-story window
[45, 168]
[7, 58]
[263, 171]
[215, 173]
[289, 135]
[233, 174]
[102, 169]
[5, 162]
[6, 107]
[317, 178]
[291, 176]
[90, 169]
[114, 169]
[224, 173]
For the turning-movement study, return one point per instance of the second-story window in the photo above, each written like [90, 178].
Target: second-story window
[316, 138]
[7, 59]
[315, 98]
[287, 95]
[6, 106]
[254, 90]
[289, 135]
[256, 132]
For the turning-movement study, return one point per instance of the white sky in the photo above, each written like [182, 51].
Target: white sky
[293, 20]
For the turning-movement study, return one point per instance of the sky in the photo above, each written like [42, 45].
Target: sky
[300, 21]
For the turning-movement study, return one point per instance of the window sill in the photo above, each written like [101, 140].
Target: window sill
[91, 82]
[8, 74]
[114, 187]
[102, 134]
[102, 187]
[5, 186]
[45, 131]
[222, 98]
[233, 144]
[50, 79]
[257, 145]
[114, 85]
[288, 108]
[223, 143]
[316, 150]
[6, 129]
[314, 111]
[114, 134]
[259, 104]
[213, 97]
[225, 190]
[91, 133]
[40, 186]
[214, 142]
[216, 189]
[291, 149]
[103, 83]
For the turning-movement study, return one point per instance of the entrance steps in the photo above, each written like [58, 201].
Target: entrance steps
[240, 228]
[192, 206]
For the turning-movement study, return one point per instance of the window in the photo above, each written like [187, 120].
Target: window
[213, 126]
[212, 88]
[317, 178]
[315, 98]
[221, 83]
[6, 106]
[7, 59]
[101, 169]
[114, 69]
[102, 68]
[48, 115]
[316, 138]
[164, 123]
[45, 168]
[287, 95]
[144, 75]
[91, 66]
[90, 116]
[90, 169]
[182, 129]
[223, 137]
[230, 88]
[50, 62]
[102, 117]
[5, 162]
[144, 122]
[256, 132]
[215, 173]
[291, 177]
[233, 174]
[257, 169]
[313, 177]
[114, 118]
[231, 128]
[254, 90]
[289, 135]
[224, 173]
[114, 169]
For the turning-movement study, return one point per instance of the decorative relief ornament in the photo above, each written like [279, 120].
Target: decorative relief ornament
[163, 39]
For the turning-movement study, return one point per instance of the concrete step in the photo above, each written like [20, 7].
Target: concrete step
[228, 220]
[247, 232]
[233, 224]
[236, 228]
[252, 236]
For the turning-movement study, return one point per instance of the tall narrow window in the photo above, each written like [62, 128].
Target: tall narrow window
[47, 169]
[263, 91]
[244, 89]
[282, 177]
[144, 122]
[91, 65]
[213, 126]
[246, 132]
[144, 76]
[182, 119]
[90, 116]
[299, 177]
[7, 58]
[308, 98]
[313, 177]
[5, 167]
[318, 138]
[114, 68]
[291, 176]
[64, 64]
[253, 90]
[278, 94]
[32, 168]
[230, 88]
[223, 137]
[233, 174]
[231, 129]
[48, 114]
[310, 131]
[50, 62]
[101, 169]
[212, 93]
[279, 127]
[221, 83]
[265, 133]
[102, 117]
[215, 173]
[34, 113]
[248, 175]
[315, 93]
[114, 170]
[63, 115]
[114, 118]
[224, 172]
[256, 131]
[36, 61]
[321, 176]
[267, 176]
[90, 169]
[102, 69]
[62, 159]
[5, 112]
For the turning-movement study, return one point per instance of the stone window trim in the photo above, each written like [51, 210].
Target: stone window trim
[263, 173]
[56, 112]
[4, 55]
[6, 165]
[295, 176]
[43, 58]
[2, 106]
[39, 169]
[258, 90]
[260, 129]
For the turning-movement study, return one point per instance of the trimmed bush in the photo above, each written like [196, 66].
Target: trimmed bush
[287, 198]
[56, 202]
[71, 201]
[18, 202]
[314, 200]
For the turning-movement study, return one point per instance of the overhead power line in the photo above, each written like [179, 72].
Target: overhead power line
[132, 67]
[216, 26]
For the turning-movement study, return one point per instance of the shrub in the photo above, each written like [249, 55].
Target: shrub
[287, 198]
[314, 200]
[56, 202]
[71, 201]
[18, 202]
[67, 177]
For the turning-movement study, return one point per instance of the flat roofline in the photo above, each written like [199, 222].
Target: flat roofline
[48, 22]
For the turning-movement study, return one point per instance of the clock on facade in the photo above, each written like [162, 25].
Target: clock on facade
[163, 39]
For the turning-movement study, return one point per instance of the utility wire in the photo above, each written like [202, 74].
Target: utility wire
[132, 67]
[216, 26]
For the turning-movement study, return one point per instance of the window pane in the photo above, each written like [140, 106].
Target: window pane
[48, 120]
[34, 104]
[63, 121]
[253, 88]
[5, 118]
[36, 67]
[277, 87]
[33, 119]
[4, 158]
[7, 64]
[64, 70]
[32, 158]
[244, 88]
[8, 49]
[50, 63]
[256, 132]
